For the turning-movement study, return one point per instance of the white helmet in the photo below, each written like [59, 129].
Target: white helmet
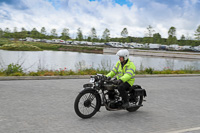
[123, 53]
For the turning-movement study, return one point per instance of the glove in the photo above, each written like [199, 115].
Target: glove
[118, 82]
[108, 78]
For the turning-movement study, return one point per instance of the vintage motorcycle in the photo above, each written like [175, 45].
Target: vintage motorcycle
[102, 91]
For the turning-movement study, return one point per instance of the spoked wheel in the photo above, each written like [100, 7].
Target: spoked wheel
[87, 103]
[136, 104]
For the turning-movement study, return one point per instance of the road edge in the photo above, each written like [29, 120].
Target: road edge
[86, 77]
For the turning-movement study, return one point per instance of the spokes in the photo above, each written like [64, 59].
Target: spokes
[87, 103]
[136, 100]
[91, 97]
[92, 105]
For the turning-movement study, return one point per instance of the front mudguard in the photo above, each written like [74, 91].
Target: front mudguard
[88, 85]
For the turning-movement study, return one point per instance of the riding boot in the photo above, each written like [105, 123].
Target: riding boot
[125, 105]
[124, 96]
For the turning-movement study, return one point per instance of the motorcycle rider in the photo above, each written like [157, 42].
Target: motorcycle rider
[125, 71]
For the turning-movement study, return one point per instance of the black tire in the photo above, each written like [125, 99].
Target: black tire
[90, 101]
[137, 105]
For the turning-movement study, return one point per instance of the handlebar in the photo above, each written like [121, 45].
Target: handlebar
[102, 78]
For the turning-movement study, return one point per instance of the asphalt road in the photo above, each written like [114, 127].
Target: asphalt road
[46, 106]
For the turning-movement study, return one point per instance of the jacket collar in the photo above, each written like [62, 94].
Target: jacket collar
[127, 63]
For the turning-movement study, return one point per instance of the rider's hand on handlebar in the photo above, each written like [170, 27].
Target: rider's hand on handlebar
[118, 82]
[108, 78]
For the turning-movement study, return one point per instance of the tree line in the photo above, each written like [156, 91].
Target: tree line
[150, 36]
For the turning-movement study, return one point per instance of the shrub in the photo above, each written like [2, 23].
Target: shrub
[70, 72]
[17, 74]
[13, 68]
[34, 74]
[156, 72]
[149, 70]
[49, 74]
[1, 72]
[189, 69]
[167, 71]
[178, 72]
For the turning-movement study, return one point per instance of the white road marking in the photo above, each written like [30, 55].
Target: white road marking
[185, 130]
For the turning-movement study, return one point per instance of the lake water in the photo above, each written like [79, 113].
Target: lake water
[55, 60]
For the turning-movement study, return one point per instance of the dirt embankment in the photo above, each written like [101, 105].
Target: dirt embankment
[156, 53]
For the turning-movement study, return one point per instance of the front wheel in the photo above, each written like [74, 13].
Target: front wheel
[87, 103]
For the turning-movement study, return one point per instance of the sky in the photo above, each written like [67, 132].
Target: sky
[115, 15]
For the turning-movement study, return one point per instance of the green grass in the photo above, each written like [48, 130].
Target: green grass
[20, 47]
[4, 41]
[38, 46]
[45, 46]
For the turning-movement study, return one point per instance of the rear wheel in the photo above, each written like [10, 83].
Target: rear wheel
[136, 104]
[87, 103]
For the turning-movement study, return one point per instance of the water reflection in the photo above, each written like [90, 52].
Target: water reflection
[53, 60]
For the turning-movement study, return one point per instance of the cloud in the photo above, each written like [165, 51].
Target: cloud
[17, 4]
[101, 14]
[4, 15]
[182, 14]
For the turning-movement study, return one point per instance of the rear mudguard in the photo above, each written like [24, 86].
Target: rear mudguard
[140, 92]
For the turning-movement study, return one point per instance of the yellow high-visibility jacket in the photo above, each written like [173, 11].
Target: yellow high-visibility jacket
[126, 74]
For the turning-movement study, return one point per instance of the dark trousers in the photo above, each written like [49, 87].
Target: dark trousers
[122, 90]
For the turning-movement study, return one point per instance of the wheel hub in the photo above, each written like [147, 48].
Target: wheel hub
[87, 103]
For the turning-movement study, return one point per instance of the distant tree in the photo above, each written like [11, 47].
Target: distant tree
[14, 29]
[35, 33]
[1, 33]
[79, 34]
[147, 40]
[65, 34]
[23, 33]
[128, 39]
[171, 40]
[124, 33]
[172, 36]
[197, 33]
[7, 30]
[106, 35]
[15, 34]
[182, 37]
[89, 39]
[93, 34]
[54, 33]
[172, 31]
[150, 31]
[188, 37]
[157, 38]
[43, 33]
[23, 29]
[149, 35]
[7, 33]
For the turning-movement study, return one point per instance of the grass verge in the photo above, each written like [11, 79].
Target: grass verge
[16, 70]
